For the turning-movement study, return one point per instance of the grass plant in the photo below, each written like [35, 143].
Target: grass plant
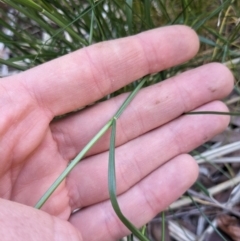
[34, 32]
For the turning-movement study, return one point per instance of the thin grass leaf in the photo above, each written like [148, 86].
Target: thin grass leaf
[207, 41]
[147, 12]
[91, 28]
[129, 14]
[215, 166]
[129, 99]
[202, 188]
[163, 226]
[206, 218]
[11, 64]
[143, 230]
[212, 113]
[225, 53]
[112, 186]
[100, 22]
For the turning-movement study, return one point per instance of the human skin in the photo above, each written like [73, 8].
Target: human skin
[153, 136]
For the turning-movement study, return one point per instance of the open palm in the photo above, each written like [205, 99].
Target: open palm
[152, 136]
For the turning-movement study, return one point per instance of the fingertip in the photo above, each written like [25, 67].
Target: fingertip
[191, 37]
[189, 168]
[216, 121]
[224, 119]
[188, 40]
[168, 46]
[225, 75]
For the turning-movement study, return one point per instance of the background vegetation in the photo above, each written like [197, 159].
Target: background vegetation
[34, 32]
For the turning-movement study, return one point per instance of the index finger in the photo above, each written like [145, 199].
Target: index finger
[86, 75]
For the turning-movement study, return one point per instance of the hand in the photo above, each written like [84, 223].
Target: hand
[153, 137]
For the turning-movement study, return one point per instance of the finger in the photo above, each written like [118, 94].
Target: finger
[141, 156]
[84, 76]
[152, 107]
[20, 222]
[139, 204]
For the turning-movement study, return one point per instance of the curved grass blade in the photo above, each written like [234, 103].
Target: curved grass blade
[212, 113]
[112, 186]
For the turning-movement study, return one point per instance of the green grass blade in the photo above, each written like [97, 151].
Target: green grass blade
[112, 186]
[207, 41]
[63, 24]
[100, 23]
[129, 15]
[212, 113]
[11, 64]
[163, 226]
[130, 97]
[143, 230]
[91, 29]
[202, 188]
[206, 218]
[147, 12]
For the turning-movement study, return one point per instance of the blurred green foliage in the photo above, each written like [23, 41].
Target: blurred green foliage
[38, 31]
